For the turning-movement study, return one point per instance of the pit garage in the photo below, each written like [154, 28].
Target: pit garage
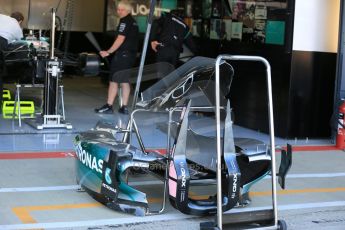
[233, 137]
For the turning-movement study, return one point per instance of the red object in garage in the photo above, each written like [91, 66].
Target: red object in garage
[341, 127]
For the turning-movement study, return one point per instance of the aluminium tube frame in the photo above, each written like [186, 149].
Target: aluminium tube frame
[271, 132]
[143, 54]
[52, 34]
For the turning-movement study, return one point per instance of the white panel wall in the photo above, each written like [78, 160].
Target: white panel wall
[316, 25]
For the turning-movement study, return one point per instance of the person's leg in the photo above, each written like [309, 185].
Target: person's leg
[126, 90]
[123, 78]
[112, 92]
[112, 88]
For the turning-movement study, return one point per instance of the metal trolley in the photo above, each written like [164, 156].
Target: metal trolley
[263, 216]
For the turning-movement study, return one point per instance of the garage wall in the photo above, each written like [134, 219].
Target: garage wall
[313, 68]
[316, 25]
[87, 15]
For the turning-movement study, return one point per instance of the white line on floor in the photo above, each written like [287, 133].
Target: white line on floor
[39, 189]
[316, 175]
[153, 182]
[291, 206]
[162, 217]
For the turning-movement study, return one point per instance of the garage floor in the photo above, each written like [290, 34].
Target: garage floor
[38, 188]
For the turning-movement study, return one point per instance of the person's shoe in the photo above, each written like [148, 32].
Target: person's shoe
[105, 109]
[123, 110]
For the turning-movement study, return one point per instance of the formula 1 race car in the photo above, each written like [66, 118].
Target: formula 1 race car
[104, 159]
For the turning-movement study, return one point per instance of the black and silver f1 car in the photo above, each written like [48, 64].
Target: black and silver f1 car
[103, 160]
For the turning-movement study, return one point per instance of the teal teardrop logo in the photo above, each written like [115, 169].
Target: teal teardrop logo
[107, 176]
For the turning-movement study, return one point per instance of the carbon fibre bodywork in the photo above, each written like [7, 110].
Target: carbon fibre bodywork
[103, 159]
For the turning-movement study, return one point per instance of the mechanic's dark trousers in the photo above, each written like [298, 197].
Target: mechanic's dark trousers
[3, 44]
[168, 54]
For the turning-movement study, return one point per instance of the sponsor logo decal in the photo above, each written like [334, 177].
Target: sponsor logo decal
[122, 27]
[108, 188]
[107, 176]
[234, 180]
[140, 9]
[234, 186]
[89, 160]
[183, 171]
[184, 181]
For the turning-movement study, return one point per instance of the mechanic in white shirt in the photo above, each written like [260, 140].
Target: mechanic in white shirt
[10, 27]
[10, 31]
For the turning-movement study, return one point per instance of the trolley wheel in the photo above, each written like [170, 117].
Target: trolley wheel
[282, 225]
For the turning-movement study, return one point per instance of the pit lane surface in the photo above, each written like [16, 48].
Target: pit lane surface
[40, 192]
[38, 188]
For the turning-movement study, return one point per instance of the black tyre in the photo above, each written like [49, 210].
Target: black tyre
[282, 225]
